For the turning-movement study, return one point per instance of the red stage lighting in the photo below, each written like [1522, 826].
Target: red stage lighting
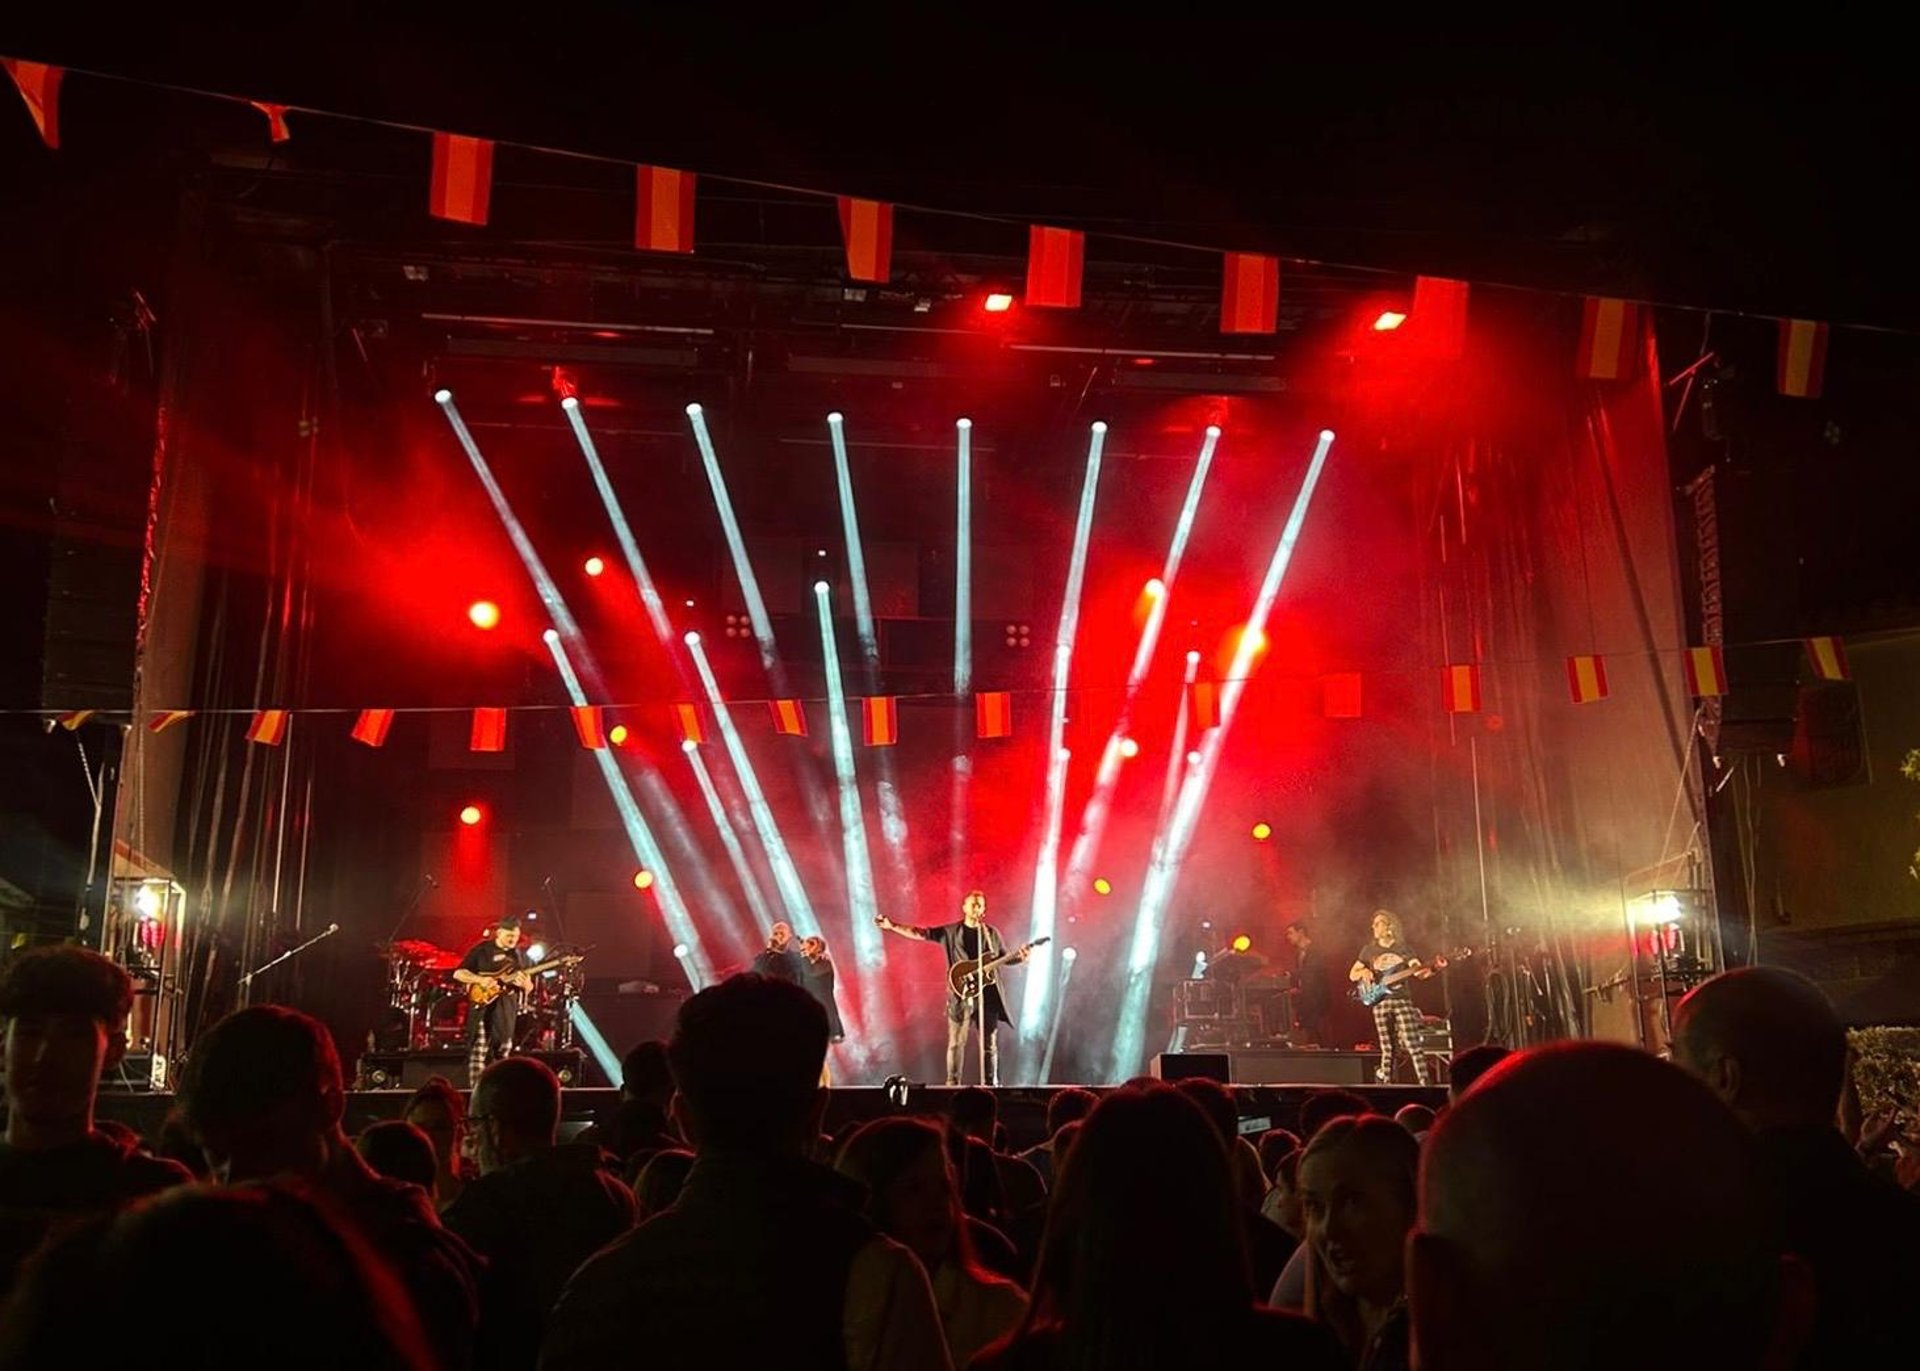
[1389, 320]
[472, 815]
[485, 614]
[997, 302]
[1102, 886]
[595, 565]
[617, 735]
[643, 879]
[1262, 832]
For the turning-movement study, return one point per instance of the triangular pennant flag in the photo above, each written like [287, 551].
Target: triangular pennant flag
[276, 120]
[489, 732]
[1609, 336]
[39, 86]
[1439, 316]
[867, 228]
[1203, 706]
[589, 723]
[1802, 366]
[1340, 695]
[879, 722]
[1460, 688]
[462, 178]
[789, 718]
[163, 719]
[371, 727]
[1055, 259]
[72, 720]
[1706, 671]
[269, 727]
[1829, 659]
[993, 714]
[1249, 293]
[1587, 679]
[663, 210]
[692, 730]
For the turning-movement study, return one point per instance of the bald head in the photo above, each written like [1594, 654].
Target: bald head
[1768, 1042]
[1535, 1244]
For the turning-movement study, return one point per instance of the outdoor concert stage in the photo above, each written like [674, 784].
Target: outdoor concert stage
[1023, 1109]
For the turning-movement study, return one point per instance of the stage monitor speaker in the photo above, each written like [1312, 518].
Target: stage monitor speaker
[1301, 1066]
[411, 1070]
[1186, 1066]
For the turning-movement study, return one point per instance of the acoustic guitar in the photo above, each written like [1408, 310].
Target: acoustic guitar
[493, 984]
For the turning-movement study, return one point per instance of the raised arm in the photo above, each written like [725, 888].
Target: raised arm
[904, 930]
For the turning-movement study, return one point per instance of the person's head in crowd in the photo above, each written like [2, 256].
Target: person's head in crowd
[1356, 1180]
[437, 1110]
[1274, 1144]
[1120, 1248]
[65, 1011]
[516, 1112]
[1217, 1103]
[1768, 1042]
[912, 1194]
[399, 1151]
[1287, 1207]
[1417, 1119]
[1063, 1140]
[746, 1056]
[1074, 1102]
[1324, 1105]
[178, 1144]
[1523, 1256]
[262, 1091]
[645, 1074]
[1470, 1064]
[258, 1275]
[659, 1182]
[975, 1112]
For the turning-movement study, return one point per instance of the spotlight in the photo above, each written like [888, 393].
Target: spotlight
[1193, 659]
[691, 640]
[595, 566]
[1193, 758]
[689, 746]
[550, 637]
[693, 409]
[1069, 955]
[537, 952]
[821, 588]
[442, 396]
[1019, 635]
[1241, 942]
[963, 423]
[1155, 587]
[1102, 886]
[569, 402]
[472, 815]
[997, 302]
[680, 951]
[643, 880]
[617, 735]
[1262, 831]
[484, 614]
[1389, 320]
[1129, 747]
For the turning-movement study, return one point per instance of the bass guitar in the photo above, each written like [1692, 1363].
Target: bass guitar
[1370, 993]
[493, 984]
[966, 978]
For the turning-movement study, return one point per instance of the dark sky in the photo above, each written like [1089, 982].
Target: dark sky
[1679, 158]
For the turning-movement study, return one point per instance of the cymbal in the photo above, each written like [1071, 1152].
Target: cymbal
[417, 950]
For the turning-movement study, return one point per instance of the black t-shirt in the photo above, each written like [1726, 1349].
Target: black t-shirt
[489, 956]
[1383, 961]
[41, 1189]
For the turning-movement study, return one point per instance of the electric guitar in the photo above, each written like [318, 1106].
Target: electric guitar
[1370, 993]
[493, 984]
[966, 978]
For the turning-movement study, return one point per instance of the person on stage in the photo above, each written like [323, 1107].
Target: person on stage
[817, 976]
[779, 959]
[1395, 1015]
[490, 1027]
[1309, 988]
[969, 940]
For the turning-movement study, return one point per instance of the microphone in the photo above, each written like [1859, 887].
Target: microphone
[333, 928]
[430, 881]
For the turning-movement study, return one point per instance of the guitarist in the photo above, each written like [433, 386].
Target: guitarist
[967, 941]
[490, 1027]
[1394, 1015]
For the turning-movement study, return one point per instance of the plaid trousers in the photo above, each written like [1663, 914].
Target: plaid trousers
[1396, 1014]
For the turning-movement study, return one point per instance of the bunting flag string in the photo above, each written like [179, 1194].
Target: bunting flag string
[1706, 669]
[1829, 659]
[789, 718]
[880, 721]
[1056, 260]
[589, 725]
[1439, 316]
[489, 732]
[993, 714]
[164, 719]
[462, 178]
[867, 228]
[1460, 688]
[1587, 679]
[1249, 293]
[39, 86]
[663, 210]
[277, 129]
[1203, 706]
[269, 728]
[372, 727]
[1609, 336]
[74, 718]
[1802, 364]
[692, 728]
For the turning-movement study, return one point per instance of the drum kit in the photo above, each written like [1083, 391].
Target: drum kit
[426, 1010]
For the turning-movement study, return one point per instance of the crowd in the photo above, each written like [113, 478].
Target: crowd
[1575, 1206]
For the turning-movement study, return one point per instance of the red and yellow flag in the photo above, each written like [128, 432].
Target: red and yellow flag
[1609, 336]
[462, 178]
[1340, 696]
[993, 714]
[1249, 293]
[371, 727]
[880, 721]
[1056, 258]
[867, 228]
[269, 727]
[663, 211]
[39, 86]
[164, 719]
[1829, 659]
[789, 718]
[692, 728]
[590, 726]
[1586, 679]
[1706, 671]
[1802, 366]
[1460, 688]
[489, 732]
[1439, 316]
[1203, 706]
[276, 120]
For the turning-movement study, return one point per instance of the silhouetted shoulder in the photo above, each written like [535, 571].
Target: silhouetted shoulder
[1271, 1338]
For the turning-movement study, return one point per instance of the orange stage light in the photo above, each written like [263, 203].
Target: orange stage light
[484, 614]
[472, 815]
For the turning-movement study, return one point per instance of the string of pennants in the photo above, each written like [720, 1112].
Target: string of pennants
[460, 190]
[1705, 670]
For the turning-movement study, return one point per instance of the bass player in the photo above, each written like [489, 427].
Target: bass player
[496, 958]
[967, 941]
[1394, 1014]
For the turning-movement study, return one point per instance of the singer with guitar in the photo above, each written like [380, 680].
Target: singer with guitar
[492, 962]
[1389, 965]
[972, 940]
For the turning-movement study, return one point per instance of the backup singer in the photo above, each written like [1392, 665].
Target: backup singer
[490, 1027]
[817, 976]
[780, 958]
[1394, 1016]
[969, 940]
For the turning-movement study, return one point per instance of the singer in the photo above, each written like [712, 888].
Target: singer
[490, 1027]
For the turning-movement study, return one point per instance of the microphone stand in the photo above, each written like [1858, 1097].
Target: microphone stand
[246, 981]
[419, 893]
